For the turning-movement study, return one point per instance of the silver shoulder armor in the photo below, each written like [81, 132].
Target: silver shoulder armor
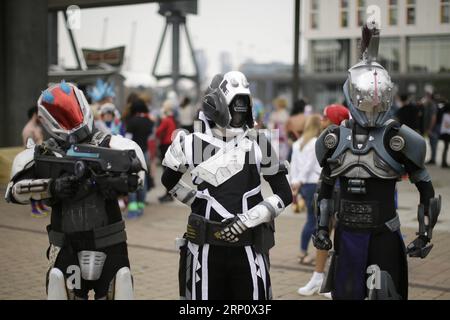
[327, 140]
[175, 158]
[118, 142]
[411, 144]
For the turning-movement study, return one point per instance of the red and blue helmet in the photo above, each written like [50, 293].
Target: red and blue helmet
[65, 113]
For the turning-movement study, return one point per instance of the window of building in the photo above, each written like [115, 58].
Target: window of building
[330, 56]
[344, 13]
[445, 11]
[360, 13]
[429, 54]
[314, 16]
[410, 11]
[393, 12]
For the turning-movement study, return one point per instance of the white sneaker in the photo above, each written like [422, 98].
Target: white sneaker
[313, 286]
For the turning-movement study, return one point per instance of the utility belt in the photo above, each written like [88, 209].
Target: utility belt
[366, 216]
[97, 238]
[203, 231]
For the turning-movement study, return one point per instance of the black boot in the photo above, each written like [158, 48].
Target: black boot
[165, 198]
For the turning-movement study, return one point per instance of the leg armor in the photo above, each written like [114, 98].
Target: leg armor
[121, 287]
[56, 289]
[380, 285]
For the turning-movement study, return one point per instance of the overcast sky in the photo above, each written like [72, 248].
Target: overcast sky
[258, 29]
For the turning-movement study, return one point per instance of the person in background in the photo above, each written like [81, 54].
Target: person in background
[258, 113]
[332, 114]
[277, 121]
[186, 115]
[100, 94]
[408, 113]
[429, 123]
[139, 128]
[444, 130]
[33, 130]
[110, 117]
[304, 176]
[164, 134]
[296, 121]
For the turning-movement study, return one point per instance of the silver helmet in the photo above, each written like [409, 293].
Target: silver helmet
[369, 89]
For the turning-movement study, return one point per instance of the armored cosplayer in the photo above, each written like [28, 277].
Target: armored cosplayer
[224, 253]
[80, 172]
[368, 155]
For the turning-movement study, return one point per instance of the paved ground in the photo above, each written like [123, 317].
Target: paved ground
[23, 242]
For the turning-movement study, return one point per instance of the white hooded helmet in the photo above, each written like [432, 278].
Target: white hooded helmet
[222, 93]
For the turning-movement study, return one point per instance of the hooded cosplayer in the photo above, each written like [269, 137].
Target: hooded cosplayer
[368, 154]
[79, 171]
[224, 253]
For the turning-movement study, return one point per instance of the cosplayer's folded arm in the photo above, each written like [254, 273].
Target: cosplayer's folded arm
[275, 173]
[175, 165]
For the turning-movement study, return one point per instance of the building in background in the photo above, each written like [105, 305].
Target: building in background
[414, 48]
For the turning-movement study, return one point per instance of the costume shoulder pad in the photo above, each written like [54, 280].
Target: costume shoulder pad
[327, 141]
[23, 161]
[118, 142]
[411, 144]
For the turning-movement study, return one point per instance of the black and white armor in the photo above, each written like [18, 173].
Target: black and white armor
[231, 224]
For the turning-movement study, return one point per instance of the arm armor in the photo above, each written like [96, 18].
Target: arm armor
[175, 158]
[183, 193]
[421, 246]
[434, 208]
[28, 189]
[325, 208]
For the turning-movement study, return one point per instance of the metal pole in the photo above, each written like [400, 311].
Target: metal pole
[194, 60]
[176, 21]
[161, 42]
[296, 68]
[72, 41]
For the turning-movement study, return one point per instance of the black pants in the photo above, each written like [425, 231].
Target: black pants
[216, 273]
[117, 258]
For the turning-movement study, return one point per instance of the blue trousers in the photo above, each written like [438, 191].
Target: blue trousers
[307, 191]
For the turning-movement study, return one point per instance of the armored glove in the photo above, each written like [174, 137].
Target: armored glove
[321, 240]
[114, 186]
[420, 247]
[64, 187]
[264, 212]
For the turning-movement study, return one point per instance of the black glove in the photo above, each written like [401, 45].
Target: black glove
[321, 240]
[419, 248]
[64, 187]
[114, 186]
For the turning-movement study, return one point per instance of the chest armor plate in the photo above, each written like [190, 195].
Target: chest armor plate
[369, 159]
